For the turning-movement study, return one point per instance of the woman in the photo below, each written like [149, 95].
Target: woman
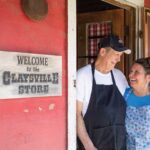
[138, 106]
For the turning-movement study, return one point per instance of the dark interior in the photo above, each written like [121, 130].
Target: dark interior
[93, 5]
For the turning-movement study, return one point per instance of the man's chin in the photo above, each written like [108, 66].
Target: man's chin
[112, 67]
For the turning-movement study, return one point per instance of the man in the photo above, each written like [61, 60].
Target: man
[100, 104]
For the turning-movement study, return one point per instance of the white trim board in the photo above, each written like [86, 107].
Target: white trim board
[71, 74]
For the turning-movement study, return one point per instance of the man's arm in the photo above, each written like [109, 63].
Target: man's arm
[81, 129]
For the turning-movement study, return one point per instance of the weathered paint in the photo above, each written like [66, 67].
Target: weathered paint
[34, 123]
[147, 3]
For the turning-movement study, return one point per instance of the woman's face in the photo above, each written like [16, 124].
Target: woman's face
[138, 78]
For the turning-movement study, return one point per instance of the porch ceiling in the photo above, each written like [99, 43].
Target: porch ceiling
[93, 5]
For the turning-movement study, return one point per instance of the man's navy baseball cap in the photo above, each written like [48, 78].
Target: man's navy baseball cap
[115, 43]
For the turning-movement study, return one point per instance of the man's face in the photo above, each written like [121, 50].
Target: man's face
[111, 58]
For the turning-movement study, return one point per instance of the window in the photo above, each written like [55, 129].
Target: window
[95, 32]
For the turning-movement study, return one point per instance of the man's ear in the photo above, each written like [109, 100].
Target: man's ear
[102, 51]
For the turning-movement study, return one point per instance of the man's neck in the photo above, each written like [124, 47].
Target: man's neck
[101, 67]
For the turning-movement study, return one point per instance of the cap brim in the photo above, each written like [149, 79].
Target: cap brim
[127, 51]
[123, 49]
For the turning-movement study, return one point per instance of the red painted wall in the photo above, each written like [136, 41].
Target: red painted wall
[147, 3]
[34, 123]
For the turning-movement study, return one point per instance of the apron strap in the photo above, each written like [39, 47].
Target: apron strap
[93, 71]
[128, 93]
[113, 79]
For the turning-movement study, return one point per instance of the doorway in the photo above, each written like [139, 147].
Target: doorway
[81, 7]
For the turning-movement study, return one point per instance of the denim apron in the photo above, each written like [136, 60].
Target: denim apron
[105, 117]
[138, 126]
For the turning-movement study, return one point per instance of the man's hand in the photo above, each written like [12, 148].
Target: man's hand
[81, 129]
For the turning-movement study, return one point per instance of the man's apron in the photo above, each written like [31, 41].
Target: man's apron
[105, 117]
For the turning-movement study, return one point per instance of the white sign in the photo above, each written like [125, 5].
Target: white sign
[29, 75]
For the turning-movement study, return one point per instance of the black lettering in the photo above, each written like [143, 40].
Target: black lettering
[36, 77]
[39, 88]
[49, 78]
[6, 78]
[26, 89]
[55, 78]
[31, 78]
[14, 78]
[21, 91]
[20, 78]
[33, 60]
[26, 76]
[46, 88]
[46, 61]
[27, 60]
[20, 60]
[33, 89]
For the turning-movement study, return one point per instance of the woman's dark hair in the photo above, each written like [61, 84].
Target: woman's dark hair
[145, 62]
